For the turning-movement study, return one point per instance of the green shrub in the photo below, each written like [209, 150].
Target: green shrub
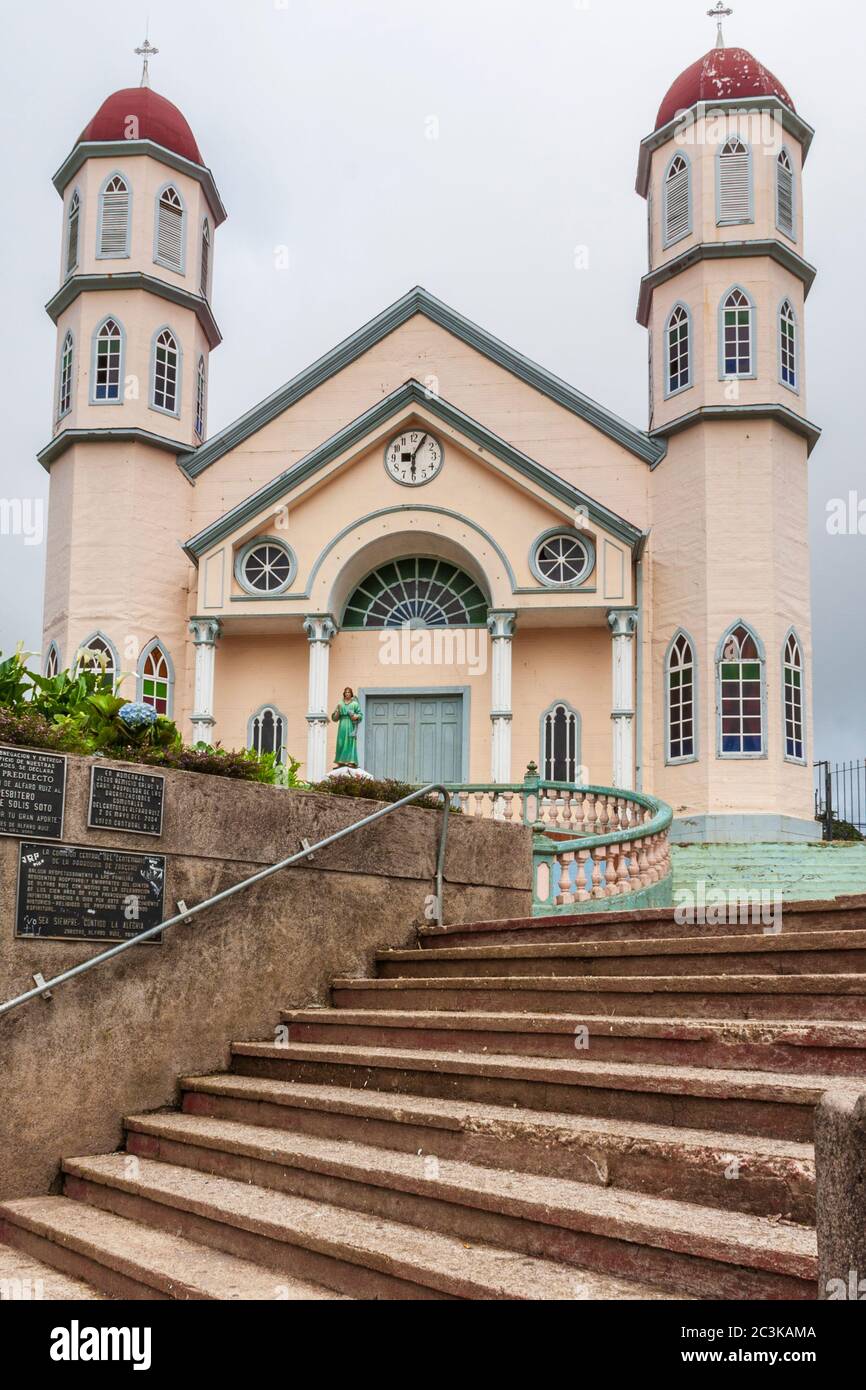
[374, 789]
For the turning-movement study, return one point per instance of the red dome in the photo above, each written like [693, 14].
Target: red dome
[158, 120]
[721, 73]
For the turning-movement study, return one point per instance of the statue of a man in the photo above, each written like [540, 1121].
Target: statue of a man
[347, 716]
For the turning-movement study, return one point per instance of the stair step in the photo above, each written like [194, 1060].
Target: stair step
[368, 1255]
[814, 953]
[772, 1175]
[837, 997]
[129, 1260]
[773, 1104]
[23, 1278]
[837, 1049]
[542, 1216]
[646, 923]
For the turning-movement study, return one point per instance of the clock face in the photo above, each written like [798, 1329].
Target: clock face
[413, 457]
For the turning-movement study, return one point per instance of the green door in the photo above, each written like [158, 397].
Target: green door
[414, 738]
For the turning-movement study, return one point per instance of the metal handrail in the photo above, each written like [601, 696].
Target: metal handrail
[46, 985]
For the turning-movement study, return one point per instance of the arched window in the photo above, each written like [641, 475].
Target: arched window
[266, 732]
[113, 235]
[676, 200]
[417, 592]
[792, 664]
[678, 357]
[156, 678]
[165, 391]
[205, 256]
[169, 229]
[52, 660]
[785, 195]
[736, 335]
[680, 700]
[560, 743]
[73, 220]
[200, 398]
[734, 183]
[741, 694]
[98, 655]
[788, 345]
[64, 377]
[107, 362]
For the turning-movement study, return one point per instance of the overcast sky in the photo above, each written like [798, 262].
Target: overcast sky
[315, 116]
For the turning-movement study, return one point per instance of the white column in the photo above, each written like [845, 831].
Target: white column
[320, 628]
[623, 625]
[205, 632]
[501, 628]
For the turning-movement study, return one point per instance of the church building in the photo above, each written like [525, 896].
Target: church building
[501, 569]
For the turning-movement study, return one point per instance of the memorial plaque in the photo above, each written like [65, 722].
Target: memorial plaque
[130, 801]
[32, 793]
[74, 893]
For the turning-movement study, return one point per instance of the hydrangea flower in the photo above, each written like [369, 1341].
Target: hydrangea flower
[136, 715]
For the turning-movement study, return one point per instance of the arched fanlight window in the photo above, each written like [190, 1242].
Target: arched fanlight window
[169, 229]
[113, 235]
[787, 345]
[155, 678]
[52, 660]
[73, 222]
[680, 700]
[108, 358]
[736, 333]
[205, 256]
[98, 656]
[560, 743]
[64, 376]
[200, 398]
[417, 591]
[676, 200]
[734, 183]
[166, 372]
[678, 360]
[785, 194]
[266, 732]
[792, 662]
[741, 694]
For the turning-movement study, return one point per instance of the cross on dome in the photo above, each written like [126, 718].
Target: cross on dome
[718, 14]
[147, 51]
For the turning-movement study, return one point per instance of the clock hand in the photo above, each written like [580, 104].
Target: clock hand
[418, 445]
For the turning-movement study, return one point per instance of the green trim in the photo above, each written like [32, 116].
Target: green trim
[411, 393]
[66, 438]
[794, 124]
[125, 149]
[722, 251]
[419, 301]
[135, 280]
[811, 433]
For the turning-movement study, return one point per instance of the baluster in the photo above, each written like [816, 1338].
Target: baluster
[507, 800]
[463, 802]
[586, 811]
[597, 890]
[479, 804]
[610, 870]
[566, 891]
[580, 883]
[643, 863]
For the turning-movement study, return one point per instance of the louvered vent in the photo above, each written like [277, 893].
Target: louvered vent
[785, 195]
[169, 234]
[114, 227]
[677, 217]
[734, 183]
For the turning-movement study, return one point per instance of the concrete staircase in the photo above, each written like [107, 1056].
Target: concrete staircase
[617, 1107]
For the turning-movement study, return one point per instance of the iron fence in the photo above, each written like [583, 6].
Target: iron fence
[840, 795]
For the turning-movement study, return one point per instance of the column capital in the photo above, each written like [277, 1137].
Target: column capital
[205, 631]
[622, 622]
[320, 627]
[501, 623]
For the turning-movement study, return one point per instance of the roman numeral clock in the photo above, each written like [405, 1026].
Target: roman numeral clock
[413, 458]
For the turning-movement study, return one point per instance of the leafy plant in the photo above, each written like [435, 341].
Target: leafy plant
[374, 789]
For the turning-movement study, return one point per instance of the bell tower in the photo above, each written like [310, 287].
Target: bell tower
[135, 330]
[724, 303]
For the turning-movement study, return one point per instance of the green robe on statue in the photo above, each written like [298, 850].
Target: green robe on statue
[347, 716]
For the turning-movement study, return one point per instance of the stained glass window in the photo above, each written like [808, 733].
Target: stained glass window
[156, 680]
[681, 699]
[788, 345]
[679, 365]
[64, 385]
[97, 656]
[741, 678]
[737, 334]
[165, 372]
[418, 591]
[793, 673]
[109, 341]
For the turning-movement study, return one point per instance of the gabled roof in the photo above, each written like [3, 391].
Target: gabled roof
[418, 301]
[410, 393]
